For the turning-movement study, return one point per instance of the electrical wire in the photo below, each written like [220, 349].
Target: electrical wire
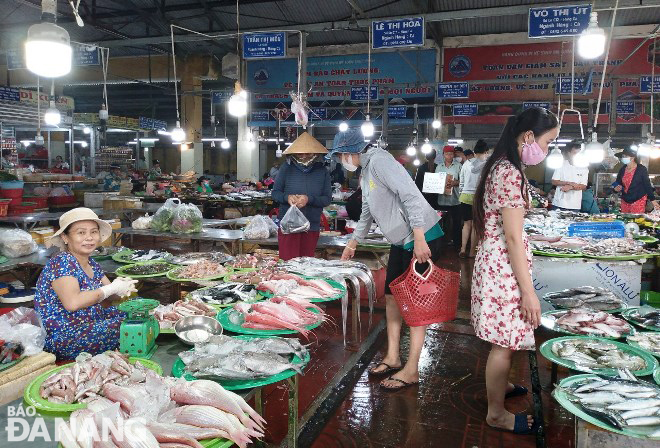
[655, 50]
[105, 61]
[602, 78]
[176, 89]
[369, 72]
[238, 41]
[38, 106]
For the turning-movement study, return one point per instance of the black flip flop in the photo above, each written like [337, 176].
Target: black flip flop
[519, 426]
[403, 385]
[516, 392]
[385, 372]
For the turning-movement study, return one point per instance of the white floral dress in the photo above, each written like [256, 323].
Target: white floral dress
[496, 298]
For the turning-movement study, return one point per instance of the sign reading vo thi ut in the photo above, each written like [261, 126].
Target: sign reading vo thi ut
[558, 21]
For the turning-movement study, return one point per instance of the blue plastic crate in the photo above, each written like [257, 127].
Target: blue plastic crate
[614, 229]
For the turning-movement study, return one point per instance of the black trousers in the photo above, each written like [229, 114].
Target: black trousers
[452, 223]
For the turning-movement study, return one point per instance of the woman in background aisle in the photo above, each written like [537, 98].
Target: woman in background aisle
[470, 175]
[302, 181]
[505, 308]
[428, 167]
[634, 184]
[449, 202]
[570, 181]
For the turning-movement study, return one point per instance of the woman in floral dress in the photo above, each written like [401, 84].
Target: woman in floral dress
[505, 308]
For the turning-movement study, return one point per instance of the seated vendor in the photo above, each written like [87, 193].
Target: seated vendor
[113, 180]
[72, 286]
[155, 172]
[204, 185]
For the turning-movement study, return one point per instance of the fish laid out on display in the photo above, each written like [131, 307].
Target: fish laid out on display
[247, 261]
[294, 286]
[254, 277]
[278, 313]
[168, 315]
[620, 403]
[554, 249]
[85, 378]
[597, 354]
[598, 299]
[646, 315]
[614, 247]
[147, 269]
[195, 257]
[592, 323]
[648, 341]
[140, 255]
[226, 294]
[228, 358]
[202, 269]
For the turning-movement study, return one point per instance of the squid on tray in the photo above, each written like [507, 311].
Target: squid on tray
[160, 412]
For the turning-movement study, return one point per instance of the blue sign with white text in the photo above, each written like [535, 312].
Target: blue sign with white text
[622, 107]
[260, 115]
[10, 94]
[220, 96]
[541, 104]
[645, 84]
[264, 45]
[453, 90]
[558, 21]
[151, 123]
[397, 111]
[563, 86]
[318, 113]
[408, 32]
[360, 93]
[465, 109]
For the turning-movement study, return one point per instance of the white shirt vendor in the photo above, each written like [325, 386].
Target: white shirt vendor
[569, 174]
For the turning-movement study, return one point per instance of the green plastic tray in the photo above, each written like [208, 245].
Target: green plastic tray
[555, 255]
[171, 274]
[647, 239]
[331, 282]
[626, 315]
[656, 376]
[260, 297]
[637, 346]
[547, 320]
[5, 366]
[651, 362]
[223, 318]
[556, 307]
[621, 257]
[32, 397]
[562, 398]
[120, 271]
[178, 370]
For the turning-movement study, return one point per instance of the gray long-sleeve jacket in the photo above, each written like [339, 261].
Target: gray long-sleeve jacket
[391, 199]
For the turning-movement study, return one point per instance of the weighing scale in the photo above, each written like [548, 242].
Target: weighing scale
[138, 332]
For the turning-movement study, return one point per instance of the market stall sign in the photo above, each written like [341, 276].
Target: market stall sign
[82, 55]
[264, 45]
[152, 123]
[397, 111]
[220, 96]
[453, 90]
[558, 21]
[319, 113]
[541, 104]
[622, 107]
[435, 183]
[260, 115]
[10, 94]
[580, 86]
[396, 33]
[645, 84]
[360, 93]
[465, 109]
[29, 97]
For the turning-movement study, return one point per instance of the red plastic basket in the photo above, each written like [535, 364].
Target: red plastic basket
[427, 298]
[25, 207]
[61, 200]
[41, 201]
[11, 193]
[4, 205]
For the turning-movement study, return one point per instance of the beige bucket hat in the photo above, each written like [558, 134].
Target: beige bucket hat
[75, 215]
[305, 144]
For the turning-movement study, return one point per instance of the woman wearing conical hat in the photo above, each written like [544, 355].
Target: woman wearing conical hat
[302, 181]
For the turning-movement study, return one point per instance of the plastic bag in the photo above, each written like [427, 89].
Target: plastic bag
[142, 223]
[162, 219]
[294, 221]
[187, 219]
[23, 326]
[16, 243]
[61, 191]
[272, 227]
[257, 228]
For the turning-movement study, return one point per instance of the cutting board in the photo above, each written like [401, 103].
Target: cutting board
[26, 367]
[14, 389]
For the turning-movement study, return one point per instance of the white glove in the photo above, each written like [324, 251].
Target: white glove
[120, 286]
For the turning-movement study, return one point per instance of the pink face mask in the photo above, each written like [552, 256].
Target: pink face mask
[532, 154]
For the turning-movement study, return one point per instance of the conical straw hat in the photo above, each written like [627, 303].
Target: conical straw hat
[306, 144]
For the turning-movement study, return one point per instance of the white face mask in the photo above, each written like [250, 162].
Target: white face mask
[457, 159]
[625, 160]
[347, 163]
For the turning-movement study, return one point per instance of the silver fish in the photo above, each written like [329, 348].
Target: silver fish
[644, 421]
[629, 405]
[645, 412]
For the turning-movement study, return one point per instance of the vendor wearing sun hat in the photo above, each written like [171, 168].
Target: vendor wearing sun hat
[302, 181]
[391, 199]
[634, 184]
[72, 286]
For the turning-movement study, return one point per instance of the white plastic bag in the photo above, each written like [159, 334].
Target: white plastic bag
[162, 219]
[294, 221]
[23, 326]
[16, 243]
[271, 226]
[257, 228]
[142, 223]
[187, 219]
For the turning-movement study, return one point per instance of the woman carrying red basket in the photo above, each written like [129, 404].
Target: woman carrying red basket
[392, 200]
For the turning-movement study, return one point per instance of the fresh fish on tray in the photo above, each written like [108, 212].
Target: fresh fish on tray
[648, 341]
[168, 315]
[148, 255]
[246, 261]
[147, 269]
[595, 354]
[226, 294]
[195, 257]
[598, 299]
[202, 269]
[615, 247]
[589, 322]
[294, 285]
[229, 358]
[278, 313]
[646, 315]
[628, 404]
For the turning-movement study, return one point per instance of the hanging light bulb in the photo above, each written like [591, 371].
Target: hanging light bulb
[367, 128]
[52, 115]
[103, 113]
[645, 149]
[212, 143]
[278, 153]
[436, 124]
[48, 50]
[39, 139]
[581, 160]
[178, 134]
[87, 130]
[343, 126]
[411, 151]
[225, 144]
[555, 160]
[591, 42]
[426, 147]
[237, 105]
[594, 152]
[655, 153]
[416, 162]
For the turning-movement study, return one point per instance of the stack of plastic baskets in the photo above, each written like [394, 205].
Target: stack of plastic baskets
[613, 229]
